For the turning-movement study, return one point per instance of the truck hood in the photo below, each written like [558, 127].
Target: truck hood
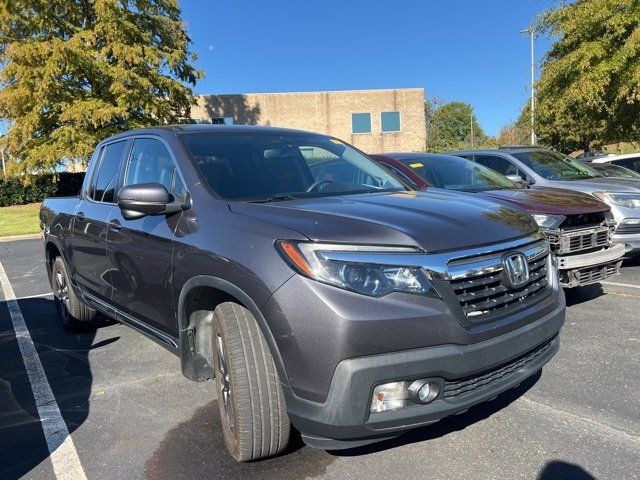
[554, 201]
[434, 220]
[603, 184]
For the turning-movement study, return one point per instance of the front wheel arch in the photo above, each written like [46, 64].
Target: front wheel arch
[194, 324]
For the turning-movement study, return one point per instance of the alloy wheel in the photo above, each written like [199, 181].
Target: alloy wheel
[225, 393]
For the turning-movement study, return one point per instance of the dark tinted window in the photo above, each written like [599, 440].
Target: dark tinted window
[499, 164]
[259, 166]
[631, 163]
[555, 166]
[454, 173]
[614, 170]
[106, 177]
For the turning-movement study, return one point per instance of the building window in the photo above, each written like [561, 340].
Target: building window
[390, 121]
[361, 122]
[222, 120]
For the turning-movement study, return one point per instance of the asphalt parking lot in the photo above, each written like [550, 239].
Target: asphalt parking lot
[131, 414]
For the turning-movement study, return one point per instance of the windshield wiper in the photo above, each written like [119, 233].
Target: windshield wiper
[276, 198]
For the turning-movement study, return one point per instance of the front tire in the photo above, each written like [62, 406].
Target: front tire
[73, 313]
[252, 407]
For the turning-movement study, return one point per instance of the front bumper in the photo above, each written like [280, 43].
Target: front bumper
[343, 420]
[631, 242]
[593, 267]
[589, 259]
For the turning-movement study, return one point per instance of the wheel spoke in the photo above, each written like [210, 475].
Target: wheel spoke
[61, 292]
[225, 384]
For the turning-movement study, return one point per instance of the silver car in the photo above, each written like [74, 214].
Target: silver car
[540, 167]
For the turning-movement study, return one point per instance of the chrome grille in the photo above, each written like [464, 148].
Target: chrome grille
[481, 290]
[577, 240]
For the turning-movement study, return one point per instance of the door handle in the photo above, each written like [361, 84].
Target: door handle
[115, 225]
[80, 216]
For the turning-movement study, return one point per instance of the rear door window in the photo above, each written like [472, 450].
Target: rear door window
[106, 177]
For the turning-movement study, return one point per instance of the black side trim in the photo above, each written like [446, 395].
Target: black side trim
[194, 365]
[154, 334]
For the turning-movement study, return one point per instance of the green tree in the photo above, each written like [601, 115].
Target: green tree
[518, 132]
[431, 105]
[589, 88]
[451, 128]
[75, 72]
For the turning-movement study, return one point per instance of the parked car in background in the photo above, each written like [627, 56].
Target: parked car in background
[612, 170]
[331, 297]
[630, 161]
[540, 167]
[578, 226]
[589, 156]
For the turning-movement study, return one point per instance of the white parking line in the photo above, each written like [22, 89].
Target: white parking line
[39, 295]
[627, 285]
[63, 454]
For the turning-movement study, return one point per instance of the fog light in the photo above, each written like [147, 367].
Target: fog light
[424, 391]
[389, 396]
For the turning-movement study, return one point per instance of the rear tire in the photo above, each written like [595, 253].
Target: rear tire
[252, 407]
[73, 313]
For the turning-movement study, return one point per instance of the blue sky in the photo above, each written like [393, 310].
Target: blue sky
[467, 50]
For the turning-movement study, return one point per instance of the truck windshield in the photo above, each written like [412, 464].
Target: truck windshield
[555, 166]
[269, 167]
[454, 173]
[609, 170]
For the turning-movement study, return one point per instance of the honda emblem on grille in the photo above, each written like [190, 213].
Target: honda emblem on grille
[516, 269]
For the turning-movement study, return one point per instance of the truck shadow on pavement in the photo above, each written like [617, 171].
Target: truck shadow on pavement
[64, 358]
[195, 449]
[578, 295]
[558, 470]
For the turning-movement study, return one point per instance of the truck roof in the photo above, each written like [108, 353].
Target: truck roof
[507, 150]
[200, 128]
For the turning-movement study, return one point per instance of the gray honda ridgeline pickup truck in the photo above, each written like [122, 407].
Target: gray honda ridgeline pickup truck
[313, 286]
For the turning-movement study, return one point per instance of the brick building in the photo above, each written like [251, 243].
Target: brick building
[372, 120]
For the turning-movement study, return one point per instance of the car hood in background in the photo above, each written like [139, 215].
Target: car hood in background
[603, 184]
[434, 220]
[549, 200]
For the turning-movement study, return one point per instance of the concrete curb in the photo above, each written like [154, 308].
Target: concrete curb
[13, 238]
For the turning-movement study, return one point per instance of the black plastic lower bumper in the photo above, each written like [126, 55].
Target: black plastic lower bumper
[343, 420]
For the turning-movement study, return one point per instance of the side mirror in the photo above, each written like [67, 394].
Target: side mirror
[137, 201]
[519, 180]
[516, 179]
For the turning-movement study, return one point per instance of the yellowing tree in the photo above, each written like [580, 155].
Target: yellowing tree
[75, 72]
[589, 88]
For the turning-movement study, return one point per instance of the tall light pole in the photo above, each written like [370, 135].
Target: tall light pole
[4, 172]
[472, 135]
[531, 32]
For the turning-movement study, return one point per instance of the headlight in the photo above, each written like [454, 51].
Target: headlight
[609, 218]
[628, 200]
[351, 267]
[549, 222]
